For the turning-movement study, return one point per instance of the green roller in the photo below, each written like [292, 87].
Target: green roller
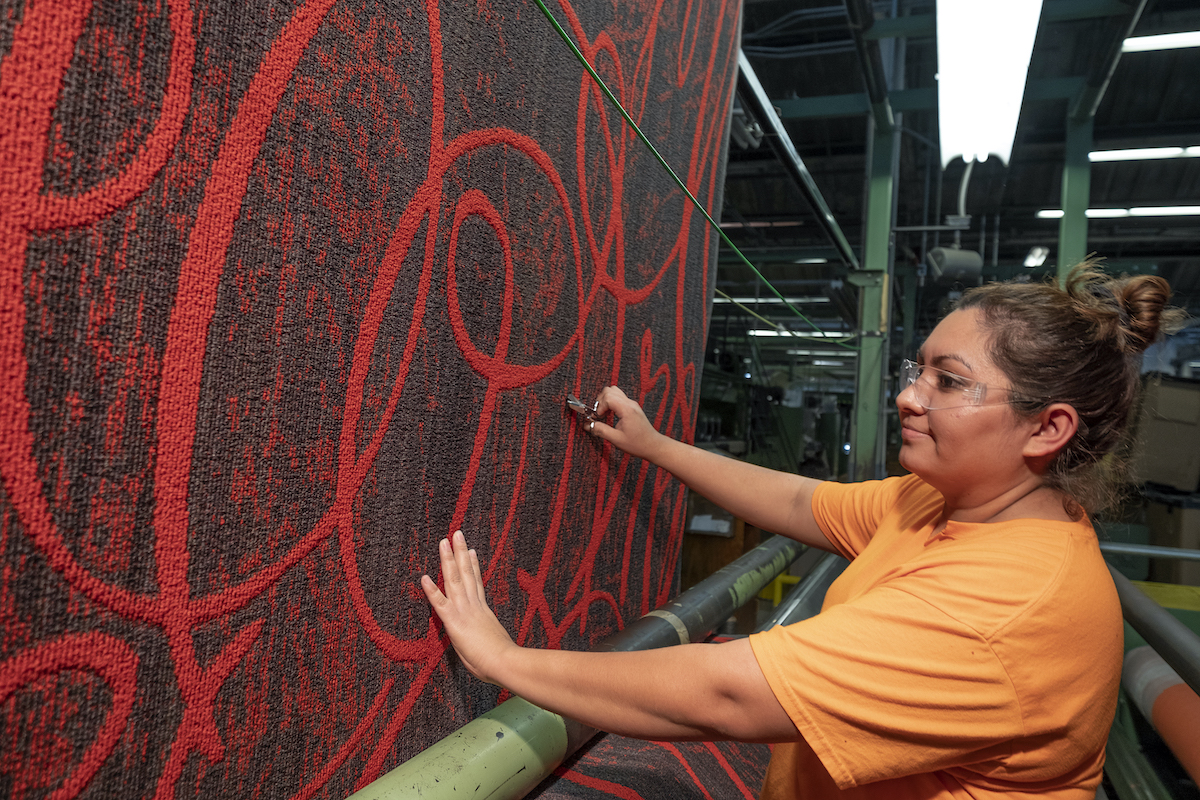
[503, 753]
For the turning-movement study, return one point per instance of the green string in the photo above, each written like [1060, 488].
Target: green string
[654, 151]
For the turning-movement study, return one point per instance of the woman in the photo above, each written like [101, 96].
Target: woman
[973, 646]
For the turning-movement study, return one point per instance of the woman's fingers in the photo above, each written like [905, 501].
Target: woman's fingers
[460, 571]
[476, 634]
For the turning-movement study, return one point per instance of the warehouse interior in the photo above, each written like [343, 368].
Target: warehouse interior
[297, 290]
[817, 78]
[1099, 117]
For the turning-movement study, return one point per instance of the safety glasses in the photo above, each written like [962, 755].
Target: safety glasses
[936, 388]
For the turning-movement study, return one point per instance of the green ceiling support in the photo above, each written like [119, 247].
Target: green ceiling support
[1076, 191]
[866, 440]
[851, 105]
[907, 276]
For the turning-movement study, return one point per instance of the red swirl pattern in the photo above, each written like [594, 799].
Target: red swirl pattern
[288, 290]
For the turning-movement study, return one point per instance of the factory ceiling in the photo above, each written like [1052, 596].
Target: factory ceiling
[803, 53]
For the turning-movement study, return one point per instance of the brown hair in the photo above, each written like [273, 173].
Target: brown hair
[1079, 344]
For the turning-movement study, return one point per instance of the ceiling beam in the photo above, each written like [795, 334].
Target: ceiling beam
[1104, 62]
[861, 14]
[755, 99]
[848, 105]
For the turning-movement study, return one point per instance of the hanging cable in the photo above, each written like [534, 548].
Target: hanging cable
[658, 157]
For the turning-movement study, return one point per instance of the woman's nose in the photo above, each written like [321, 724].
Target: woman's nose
[908, 401]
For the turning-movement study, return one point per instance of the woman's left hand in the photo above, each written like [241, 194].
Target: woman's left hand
[478, 637]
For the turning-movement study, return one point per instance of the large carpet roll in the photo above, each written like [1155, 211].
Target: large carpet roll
[290, 290]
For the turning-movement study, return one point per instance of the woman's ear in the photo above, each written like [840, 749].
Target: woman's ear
[1057, 423]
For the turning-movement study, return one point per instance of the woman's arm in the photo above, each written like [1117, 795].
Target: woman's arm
[779, 502]
[698, 691]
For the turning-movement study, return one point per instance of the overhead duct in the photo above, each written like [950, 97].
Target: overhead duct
[950, 265]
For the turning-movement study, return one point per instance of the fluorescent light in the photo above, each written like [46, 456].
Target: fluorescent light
[809, 352]
[750, 301]
[1037, 256]
[811, 261]
[770, 332]
[1164, 41]
[983, 54]
[820, 363]
[794, 223]
[1165, 211]
[1141, 154]
[1143, 211]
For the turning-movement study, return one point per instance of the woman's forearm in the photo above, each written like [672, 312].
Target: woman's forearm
[688, 692]
[779, 502]
[684, 692]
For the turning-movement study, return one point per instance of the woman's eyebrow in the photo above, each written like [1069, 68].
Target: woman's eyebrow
[942, 359]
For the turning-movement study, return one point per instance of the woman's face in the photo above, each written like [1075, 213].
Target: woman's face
[965, 452]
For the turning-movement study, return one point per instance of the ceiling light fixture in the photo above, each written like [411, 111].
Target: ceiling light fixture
[1165, 211]
[1037, 256]
[769, 332]
[1144, 154]
[1163, 41]
[983, 56]
[1140, 211]
[751, 301]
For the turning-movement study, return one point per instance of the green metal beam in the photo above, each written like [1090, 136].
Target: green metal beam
[1076, 191]
[849, 105]
[865, 433]
[908, 314]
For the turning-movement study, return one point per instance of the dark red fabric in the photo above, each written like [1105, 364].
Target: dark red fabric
[614, 767]
[290, 289]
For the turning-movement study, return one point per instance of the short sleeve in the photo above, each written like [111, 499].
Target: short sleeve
[887, 685]
[849, 514]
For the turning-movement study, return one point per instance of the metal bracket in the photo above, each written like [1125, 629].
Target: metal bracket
[866, 278]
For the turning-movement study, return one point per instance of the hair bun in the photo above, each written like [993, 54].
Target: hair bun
[1142, 303]
[1131, 309]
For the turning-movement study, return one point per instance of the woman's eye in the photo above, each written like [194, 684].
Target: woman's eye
[947, 382]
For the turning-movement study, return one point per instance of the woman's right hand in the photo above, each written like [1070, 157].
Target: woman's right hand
[630, 430]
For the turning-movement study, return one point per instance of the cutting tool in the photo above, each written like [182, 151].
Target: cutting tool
[583, 409]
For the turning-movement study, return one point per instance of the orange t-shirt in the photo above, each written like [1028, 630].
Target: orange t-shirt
[980, 663]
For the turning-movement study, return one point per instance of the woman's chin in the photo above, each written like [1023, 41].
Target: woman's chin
[907, 460]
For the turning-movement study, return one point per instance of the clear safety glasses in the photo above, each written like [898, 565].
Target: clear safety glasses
[936, 388]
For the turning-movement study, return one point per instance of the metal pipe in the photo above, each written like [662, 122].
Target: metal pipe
[755, 99]
[1104, 63]
[696, 613]
[1131, 775]
[505, 753]
[1178, 645]
[870, 60]
[807, 596]
[1152, 550]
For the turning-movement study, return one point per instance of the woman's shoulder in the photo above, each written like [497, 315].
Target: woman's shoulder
[1045, 573]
